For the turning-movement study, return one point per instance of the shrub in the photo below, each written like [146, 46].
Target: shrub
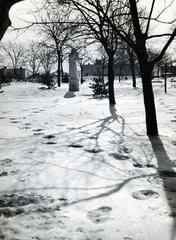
[47, 80]
[99, 87]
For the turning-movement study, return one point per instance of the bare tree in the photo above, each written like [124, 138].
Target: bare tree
[139, 45]
[33, 59]
[55, 25]
[15, 52]
[47, 58]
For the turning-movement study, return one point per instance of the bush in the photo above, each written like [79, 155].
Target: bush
[99, 87]
[4, 80]
[47, 80]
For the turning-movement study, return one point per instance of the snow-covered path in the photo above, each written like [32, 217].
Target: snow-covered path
[73, 168]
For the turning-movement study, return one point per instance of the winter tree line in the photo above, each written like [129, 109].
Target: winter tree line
[113, 24]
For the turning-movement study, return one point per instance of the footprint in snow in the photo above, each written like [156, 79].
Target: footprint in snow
[38, 133]
[80, 229]
[3, 174]
[50, 136]
[138, 165]
[35, 112]
[94, 150]
[92, 137]
[127, 150]
[13, 118]
[28, 124]
[145, 194]
[75, 145]
[37, 130]
[25, 127]
[71, 128]
[119, 156]
[51, 143]
[14, 121]
[25, 110]
[100, 215]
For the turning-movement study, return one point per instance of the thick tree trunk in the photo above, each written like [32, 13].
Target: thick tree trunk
[111, 79]
[149, 102]
[62, 71]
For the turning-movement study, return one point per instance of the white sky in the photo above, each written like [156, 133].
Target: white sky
[24, 9]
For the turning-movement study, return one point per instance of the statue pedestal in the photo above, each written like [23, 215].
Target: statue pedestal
[73, 76]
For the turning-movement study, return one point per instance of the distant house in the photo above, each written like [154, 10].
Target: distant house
[12, 74]
[119, 69]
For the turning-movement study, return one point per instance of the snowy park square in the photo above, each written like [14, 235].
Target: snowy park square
[87, 120]
[73, 168]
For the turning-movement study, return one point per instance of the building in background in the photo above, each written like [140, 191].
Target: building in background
[119, 69]
[9, 74]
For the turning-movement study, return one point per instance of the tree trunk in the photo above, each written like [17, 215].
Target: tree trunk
[149, 102]
[120, 73]
[82, 80]
[111, 79]
[132, 68]
[62, 71]
[58, 69]
[15, 73]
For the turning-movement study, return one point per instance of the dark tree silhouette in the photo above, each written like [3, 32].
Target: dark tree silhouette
[5, 22]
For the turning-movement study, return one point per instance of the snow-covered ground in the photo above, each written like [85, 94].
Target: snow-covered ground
[71, 168]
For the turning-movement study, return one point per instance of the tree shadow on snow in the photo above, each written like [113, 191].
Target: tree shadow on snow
[168, 176]
[119, 183]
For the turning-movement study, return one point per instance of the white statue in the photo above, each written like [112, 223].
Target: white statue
[73, 75]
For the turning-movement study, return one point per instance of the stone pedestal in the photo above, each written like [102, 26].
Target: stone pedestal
[73, 75]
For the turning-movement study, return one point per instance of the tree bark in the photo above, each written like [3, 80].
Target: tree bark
[111, 79]
[148, 95]
[120, 72]
[58, 68]
[82, 80]
[62, 71]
